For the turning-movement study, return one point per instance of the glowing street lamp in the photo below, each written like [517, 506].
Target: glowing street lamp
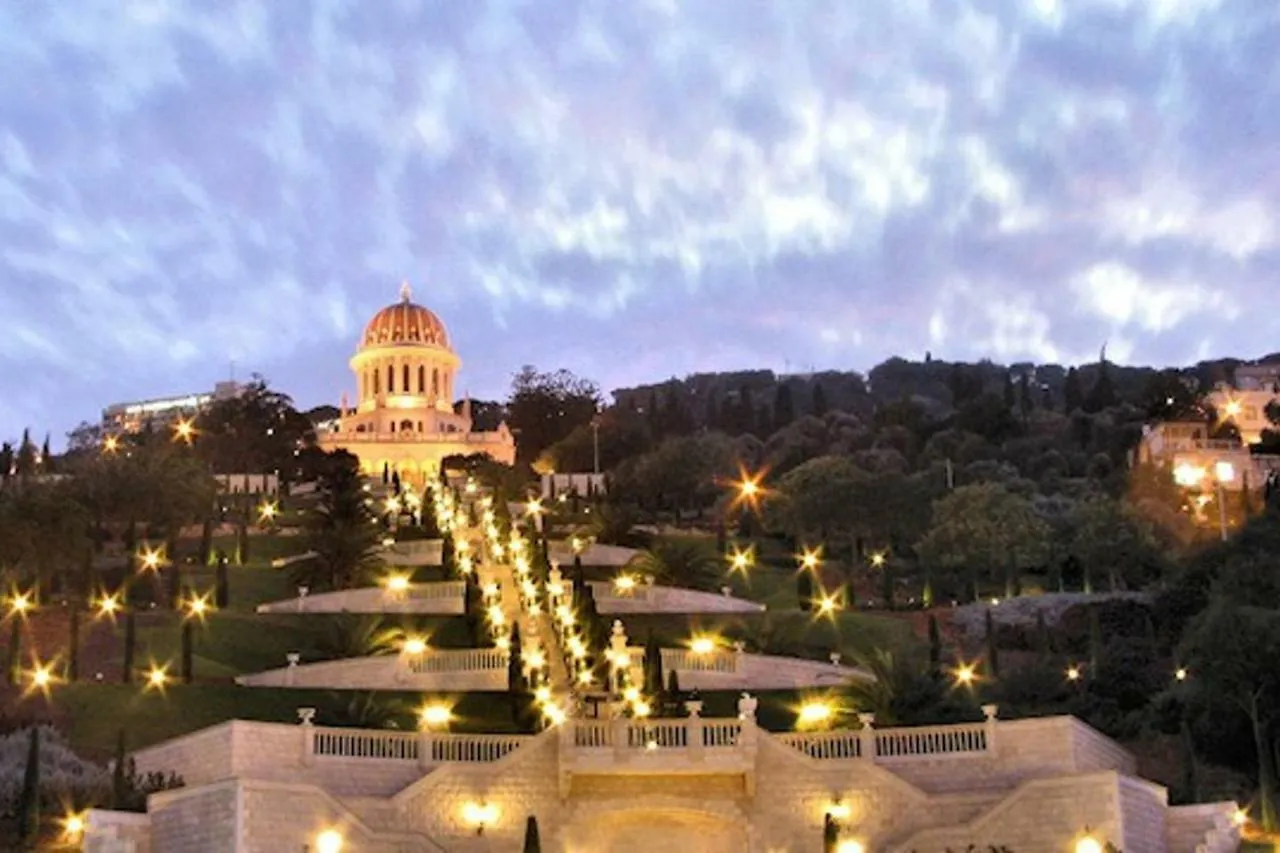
[151, 559]
[741, 561]
[73, 827]
[810, 559]
[109, 605]
[1073, 673]
[414, 646]
[829, 605]
[157, 678]
[702, 645]
[850, 845]
[624, 584]
[435, 716]
[397, 584]
[877, 560]
[198, 606]
[268, 511]
[815, 713]
[1088, 844]
[329, 841]
[965, 674]
[41, 679]
[20, 604]
[110, 444]
[184, 431]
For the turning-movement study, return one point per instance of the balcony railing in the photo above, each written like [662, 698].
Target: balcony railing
[433, 748]
[457, 660]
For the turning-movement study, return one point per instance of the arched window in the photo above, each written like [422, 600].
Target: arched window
[393, 426]
[406, 426]
[435, 383]
[377, 383]
[422, 379]
[391, 379]
[405, 386]
[420, 426]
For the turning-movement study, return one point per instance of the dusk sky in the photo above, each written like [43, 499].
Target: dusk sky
[632, 190]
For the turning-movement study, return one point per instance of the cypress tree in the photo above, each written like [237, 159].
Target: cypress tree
[1190, 772]
[13, 670]
[653, 680]
[242, 543]
[804, 590]
[29, 800]
[222, 583]
[174, 576]
[119, 775]
[830, 834]
[675, 698]
[130, 643]
[784, 410]
[1095, 639]
[993, 653]
[819, 404]
[532, 844]
[46, 456]
[1044, 642]
[935, 646]
[448, 563]
[206, 543]
[1072, 393]
[886, 583]
[73, 642]
[188, 656]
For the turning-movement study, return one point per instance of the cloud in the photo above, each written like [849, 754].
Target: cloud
[632, 192]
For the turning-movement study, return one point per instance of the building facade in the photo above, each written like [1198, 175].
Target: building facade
[1046, 785]
[163, 411]
[404, 420]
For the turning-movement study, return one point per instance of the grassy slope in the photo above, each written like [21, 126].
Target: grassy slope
[236, 641]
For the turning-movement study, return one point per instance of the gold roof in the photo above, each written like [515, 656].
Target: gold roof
[406, 323]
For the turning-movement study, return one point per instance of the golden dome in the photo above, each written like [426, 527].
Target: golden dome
[405, 323]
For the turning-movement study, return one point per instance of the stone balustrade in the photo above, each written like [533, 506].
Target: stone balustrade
[457, 660]
[440, 597]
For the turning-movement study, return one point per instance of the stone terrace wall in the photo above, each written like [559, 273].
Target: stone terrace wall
[197, 820]
[1143, 807]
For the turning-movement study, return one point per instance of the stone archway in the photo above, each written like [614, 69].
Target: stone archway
[641, 828]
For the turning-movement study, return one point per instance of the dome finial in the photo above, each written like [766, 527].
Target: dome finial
[406, 292]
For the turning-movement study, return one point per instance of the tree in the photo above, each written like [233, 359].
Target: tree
[46, 456]
[119, 773]
[818, 406]
[222, 583]
[688, 561]
[256, 431]
[544, 408]
[130, 644]
[1232, 651]
[986, 532]
[73, 642]
[804, 590]
[1103, 393]
[13, 666]
[1026, 401]
[7, 457]
[532, 844]
[27, 458]
[935, 647]
[830, 834]
[653, 680]
[1072, 392]
[1110, 540]
[29, 799]
[784, 410]
[205, 557]
[993, 647]
[188, 651]
[342, 537]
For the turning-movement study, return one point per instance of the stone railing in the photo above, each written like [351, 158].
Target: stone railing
[693, 733]
[720, 660]
[422, 747]
[892, 744]
[456, 660]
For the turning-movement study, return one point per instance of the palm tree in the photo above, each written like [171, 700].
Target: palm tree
[689, 561]
[343, 536]
[876, 696]
[370, 710]
[351, 636]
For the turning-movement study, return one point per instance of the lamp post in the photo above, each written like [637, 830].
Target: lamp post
[1223, 473]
